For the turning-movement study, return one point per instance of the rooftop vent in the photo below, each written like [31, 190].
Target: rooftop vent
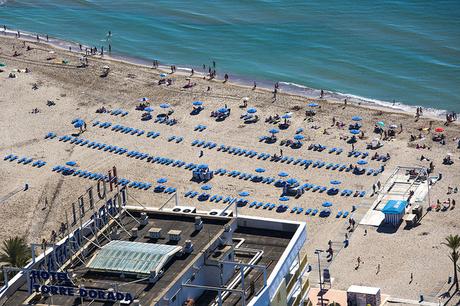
[198, 223]
[188, 248]
[144, 219]
[174, 235]
[155, 233]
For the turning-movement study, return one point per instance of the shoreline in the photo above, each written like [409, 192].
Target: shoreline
[289, 88]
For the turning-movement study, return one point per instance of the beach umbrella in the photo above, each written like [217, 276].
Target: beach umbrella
[313, 104]
[162, 180]
[327, 204]
[206, 187]
[243, 194]
[79, 123]
[286, 116]
[299, 137]
[355, 132]
[165, 105]
[260, 170]
[356, 118]
[252, 111]
[197, 103]
[163, 75]
[202, 166]
[380, 123]
[274, 131]
[71, 163]
[75, 120]
[144, 99]
[2, 65]
[335, 182]
[222, 110]
[148, 109]
[439, 130]
[299, 130]
[362, 162]
[284, 199]
[291, 181]
[283, 174]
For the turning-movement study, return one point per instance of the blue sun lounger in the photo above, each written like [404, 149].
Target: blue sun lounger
[345, 214]
[308, 211]
[339, 214]
[314, 212]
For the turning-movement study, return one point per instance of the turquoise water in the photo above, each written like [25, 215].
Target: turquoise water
[384, 50]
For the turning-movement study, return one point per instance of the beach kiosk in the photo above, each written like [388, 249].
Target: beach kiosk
[394, 211]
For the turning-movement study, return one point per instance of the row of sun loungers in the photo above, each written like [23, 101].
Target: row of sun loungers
[93, 144]
[204, 144]
[282, 159]
[257, 205]
[165, 120]
[176, 139]
[153, 134]
[358, 154]
[118, 111]
[200, 128]
[24, 160]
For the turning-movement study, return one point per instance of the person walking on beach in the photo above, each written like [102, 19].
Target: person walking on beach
[378, 269]
[110, 48]
[213, 64]
[201, 154]
[255, 85]
[411, 277]
[47, 38]
[192, 72]
[281, 152]
[321, 94]
[225, 78]
[38, 38]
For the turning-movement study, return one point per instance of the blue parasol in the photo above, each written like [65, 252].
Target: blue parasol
[206, 187]
[274, 131]
[356, 118]
[202, 166]
[355, 132]
[222, 110]
[335, 182]
[284, 199]
[299, 137]
[243, 194]
[283, 174]
[313, 104]
[286, 116]
[165, 105]
[79, 123]
[362, 162]
[291, 181]
[162, 180]
[252, 111]
[197, 103]
[148, 109]
[260, 170]
[327, 204]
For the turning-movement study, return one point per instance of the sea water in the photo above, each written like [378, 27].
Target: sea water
[408, 51]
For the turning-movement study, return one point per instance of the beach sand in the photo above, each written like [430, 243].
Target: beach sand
[78, 92]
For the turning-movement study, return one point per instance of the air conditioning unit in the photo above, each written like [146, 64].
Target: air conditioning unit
[155, 233]
[184, 209]
[218, 212]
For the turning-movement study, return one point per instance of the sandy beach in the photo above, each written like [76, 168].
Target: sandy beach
[79, 92]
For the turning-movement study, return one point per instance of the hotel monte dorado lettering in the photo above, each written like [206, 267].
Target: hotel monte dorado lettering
[40, 280]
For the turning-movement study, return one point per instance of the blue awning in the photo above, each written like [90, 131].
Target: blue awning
[394, 207]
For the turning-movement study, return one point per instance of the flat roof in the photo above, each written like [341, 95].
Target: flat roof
[143, 291]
